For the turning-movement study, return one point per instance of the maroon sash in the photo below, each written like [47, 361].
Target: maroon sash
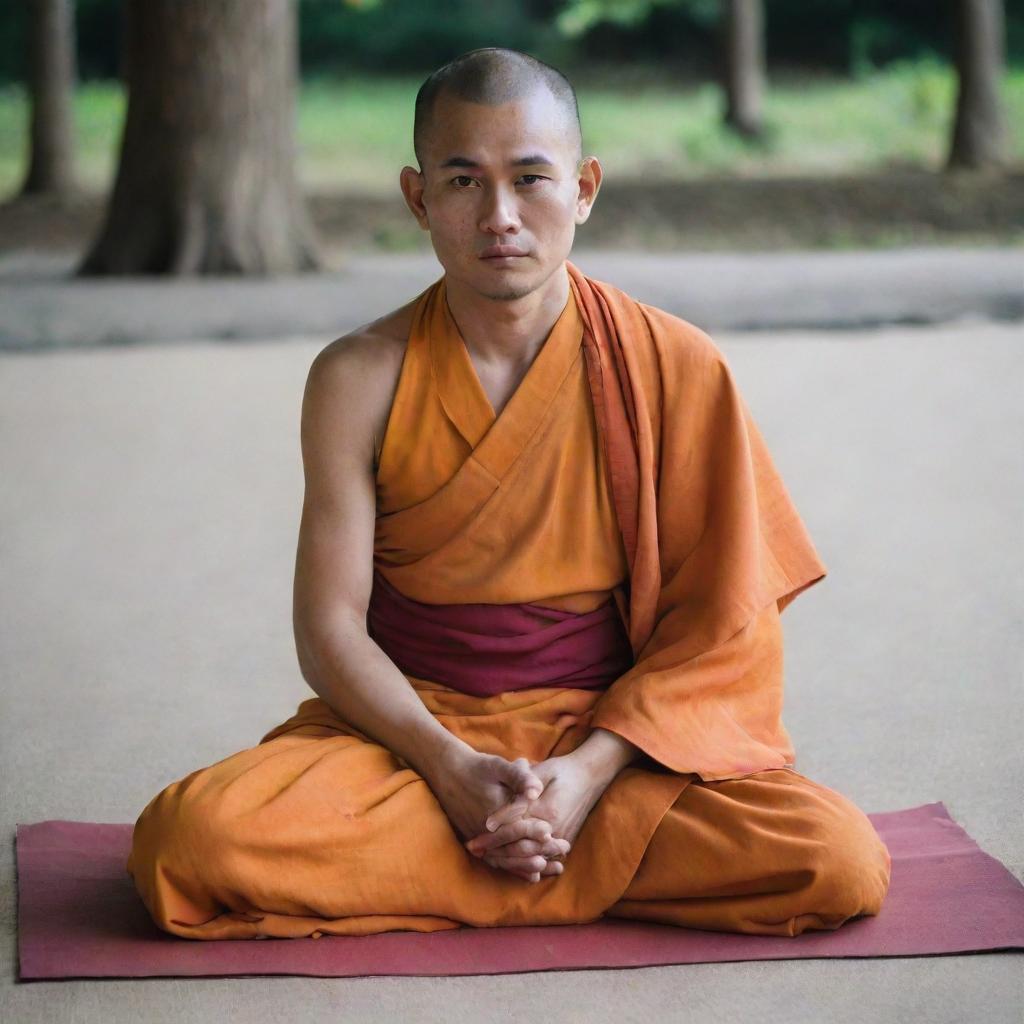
[484, 649]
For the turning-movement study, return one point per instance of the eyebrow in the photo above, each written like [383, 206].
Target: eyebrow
[530, 160]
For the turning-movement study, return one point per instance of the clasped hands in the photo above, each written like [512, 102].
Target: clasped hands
[531, 814]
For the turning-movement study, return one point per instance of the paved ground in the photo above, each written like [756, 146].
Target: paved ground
[42, 306]
[148, 514]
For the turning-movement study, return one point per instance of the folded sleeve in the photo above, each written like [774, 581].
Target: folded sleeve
[705, 693]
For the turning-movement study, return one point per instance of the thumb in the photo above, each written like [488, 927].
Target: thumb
[520, 778]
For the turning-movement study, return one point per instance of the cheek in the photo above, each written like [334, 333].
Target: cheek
[453, 220]
[553, 214]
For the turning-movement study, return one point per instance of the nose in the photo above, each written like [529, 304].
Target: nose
[499, 215]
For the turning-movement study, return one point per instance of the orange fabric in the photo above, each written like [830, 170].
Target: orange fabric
[318, 829]
[774, 853]
[715, 545]
[501, 512]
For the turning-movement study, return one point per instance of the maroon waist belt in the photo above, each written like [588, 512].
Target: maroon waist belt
[484, 649]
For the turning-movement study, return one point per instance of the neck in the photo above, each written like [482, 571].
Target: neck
[512, 331]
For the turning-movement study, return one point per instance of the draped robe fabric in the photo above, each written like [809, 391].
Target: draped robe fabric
[624, 472]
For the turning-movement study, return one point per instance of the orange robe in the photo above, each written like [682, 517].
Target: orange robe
[626, 464]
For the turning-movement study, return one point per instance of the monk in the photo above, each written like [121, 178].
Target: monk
[541, 563]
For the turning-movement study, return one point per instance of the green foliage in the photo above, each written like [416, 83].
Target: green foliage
[99, 113]
[866, 35]
[356, 133]
[879, 42]
[929, 89]
[580, 15]
[340, 38]
[390, 37]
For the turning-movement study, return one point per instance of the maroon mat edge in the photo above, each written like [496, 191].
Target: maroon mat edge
[792, 947]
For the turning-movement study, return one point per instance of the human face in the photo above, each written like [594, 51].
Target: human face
[500, 192]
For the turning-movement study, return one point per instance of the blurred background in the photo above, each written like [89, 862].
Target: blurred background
[196, 196]
[721, 124]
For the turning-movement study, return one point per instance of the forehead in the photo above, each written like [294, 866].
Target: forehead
[498, 133]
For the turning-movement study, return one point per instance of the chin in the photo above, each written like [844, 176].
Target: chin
[507, 287]
[504, 284]
[510, 295]
[512, 282]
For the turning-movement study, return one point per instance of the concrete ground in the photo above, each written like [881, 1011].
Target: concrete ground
[148, 518]
[44, 306]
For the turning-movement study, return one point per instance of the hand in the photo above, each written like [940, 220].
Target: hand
[470, 785]
[526, 847]
[512, 842]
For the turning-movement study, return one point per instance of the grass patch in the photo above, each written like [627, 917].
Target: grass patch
[356, 134]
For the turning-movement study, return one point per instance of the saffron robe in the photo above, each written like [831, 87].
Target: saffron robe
[626, 466]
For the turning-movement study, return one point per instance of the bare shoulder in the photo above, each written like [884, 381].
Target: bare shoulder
[352, 380]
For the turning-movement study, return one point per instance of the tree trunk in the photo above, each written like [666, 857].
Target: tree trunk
[51, 82]
[979, 132]
[206, 182]
[743, 51]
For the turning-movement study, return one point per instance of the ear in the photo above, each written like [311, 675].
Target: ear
[589, 180]
[412, 184]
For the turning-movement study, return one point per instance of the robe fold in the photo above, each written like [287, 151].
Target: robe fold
[623, 506]
[716, 547]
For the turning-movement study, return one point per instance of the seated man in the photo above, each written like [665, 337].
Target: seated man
[541, 562]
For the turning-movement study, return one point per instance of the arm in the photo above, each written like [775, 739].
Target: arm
[604, 754]
[348, 396]
[347, 389]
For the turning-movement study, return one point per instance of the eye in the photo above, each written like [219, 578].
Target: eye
[539, 177]
[460, 177]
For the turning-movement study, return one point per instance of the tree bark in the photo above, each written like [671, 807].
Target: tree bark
[743, 52]
[206, 182]
[51, 84]
[979, 131]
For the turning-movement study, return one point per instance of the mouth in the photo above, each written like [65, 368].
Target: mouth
[501, 253]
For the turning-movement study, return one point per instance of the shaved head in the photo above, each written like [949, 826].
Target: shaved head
[493, 76]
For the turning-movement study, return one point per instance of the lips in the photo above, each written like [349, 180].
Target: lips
[501, 250]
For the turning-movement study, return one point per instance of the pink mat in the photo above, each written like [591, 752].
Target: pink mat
[79, 916]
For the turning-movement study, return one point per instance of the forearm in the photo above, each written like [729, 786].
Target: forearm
[605, 754]
[350, 672]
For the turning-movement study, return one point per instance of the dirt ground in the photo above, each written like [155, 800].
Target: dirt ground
[897, 208]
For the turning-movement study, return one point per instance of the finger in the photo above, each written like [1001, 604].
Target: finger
[524, 848]
[523, 780]
[554, 867]
[527, 848]
[556, 847]
[531, 847]
[527, 864]
[525, 869]
[507, 812]
[526, 827]
[522, 828]
[517, 848]
[530, 782]
[506, 864]
[505, 836]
